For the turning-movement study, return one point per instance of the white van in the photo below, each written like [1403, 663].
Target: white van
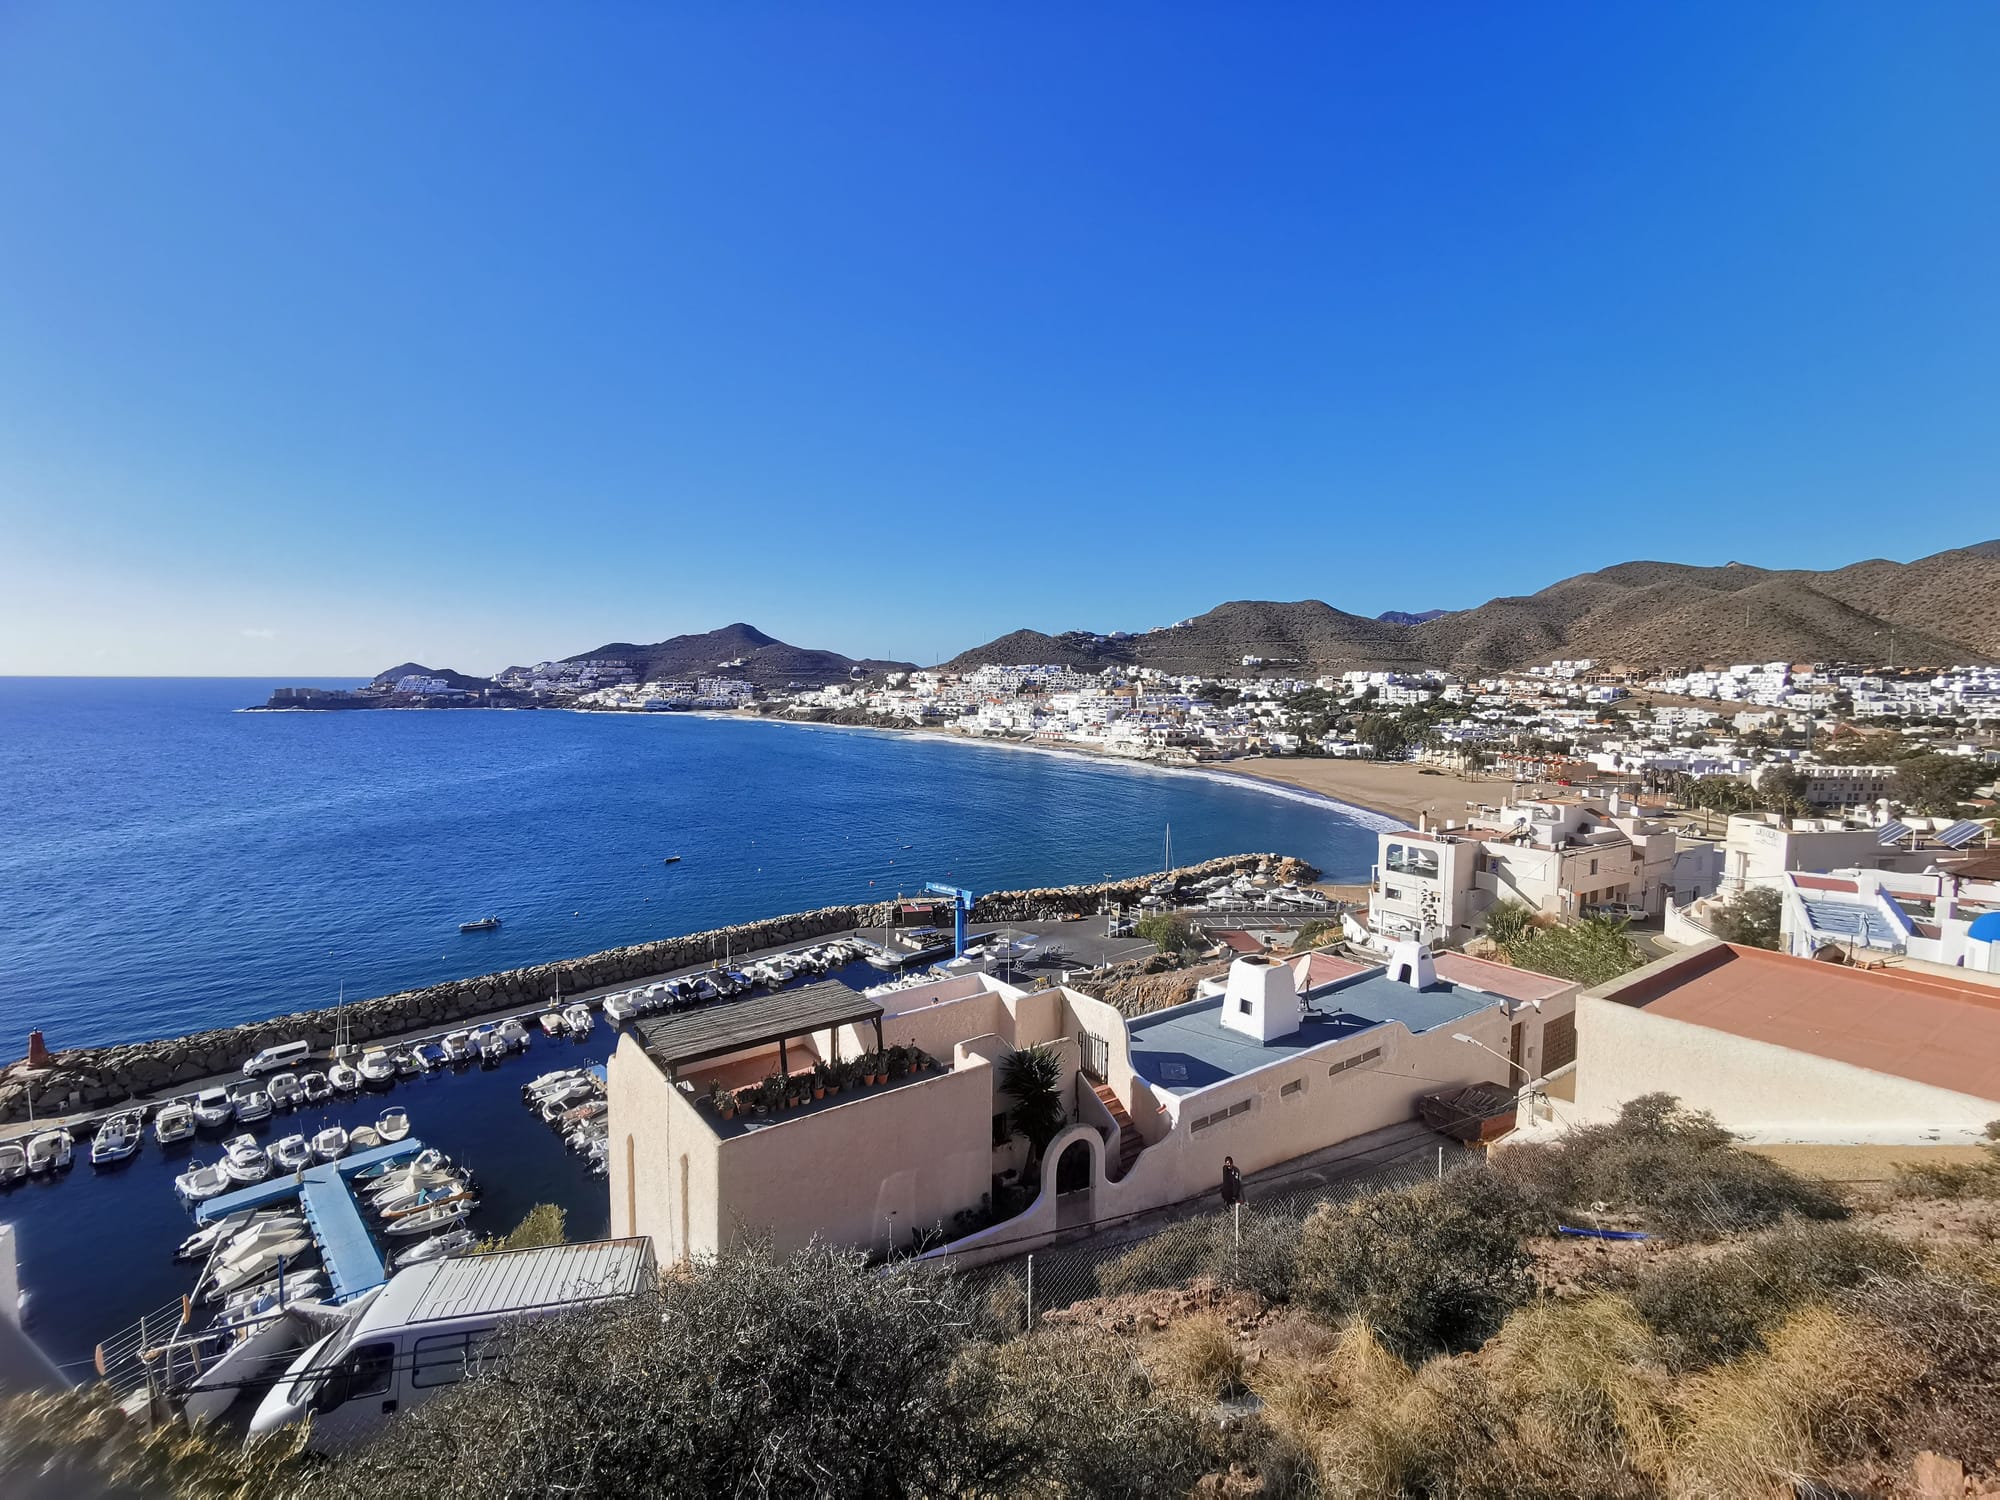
[273, 1058]
[427, 1327]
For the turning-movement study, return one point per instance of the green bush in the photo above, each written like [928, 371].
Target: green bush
[1431, 1269]
[1751, 918]
[1675, 1169]
[1166, 932]
[1969, 1179]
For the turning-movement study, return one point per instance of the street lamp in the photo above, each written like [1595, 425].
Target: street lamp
[1460, 1036]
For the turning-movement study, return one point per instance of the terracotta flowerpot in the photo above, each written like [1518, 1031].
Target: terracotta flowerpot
[819, 1092]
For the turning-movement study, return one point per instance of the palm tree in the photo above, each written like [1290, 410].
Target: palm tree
[1033, 1075]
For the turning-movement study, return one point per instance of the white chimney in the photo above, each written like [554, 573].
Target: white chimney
[1411, 963]
[1262, 1001]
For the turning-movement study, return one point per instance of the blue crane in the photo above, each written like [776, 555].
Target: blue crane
[961, 908]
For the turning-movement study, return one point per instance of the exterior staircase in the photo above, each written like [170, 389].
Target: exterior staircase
[1129, 1144]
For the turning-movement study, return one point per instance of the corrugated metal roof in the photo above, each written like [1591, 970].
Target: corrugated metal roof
[510, 1281]
[732, 1025]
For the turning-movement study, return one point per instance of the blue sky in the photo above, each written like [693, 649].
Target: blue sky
[332, 336]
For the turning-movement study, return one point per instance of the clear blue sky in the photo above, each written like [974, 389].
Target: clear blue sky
[335, 335]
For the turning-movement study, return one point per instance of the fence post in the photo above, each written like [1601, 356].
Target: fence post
[1238, 1206]
[1031, 1293]
[1440, 1164]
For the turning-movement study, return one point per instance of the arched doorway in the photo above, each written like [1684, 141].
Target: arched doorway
[1074, 1177]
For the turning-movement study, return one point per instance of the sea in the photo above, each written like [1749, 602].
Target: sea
[169, 862]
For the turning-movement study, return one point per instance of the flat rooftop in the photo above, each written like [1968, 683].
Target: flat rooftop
[1927, 1028]
[1185, 1048]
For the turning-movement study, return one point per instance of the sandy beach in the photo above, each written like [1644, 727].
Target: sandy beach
[1397, 789]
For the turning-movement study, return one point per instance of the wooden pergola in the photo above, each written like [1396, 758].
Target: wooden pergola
[675, 1042]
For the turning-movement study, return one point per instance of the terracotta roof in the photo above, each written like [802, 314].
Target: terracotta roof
[1500, 979]
[1239, 942]
[1824, 883]
[1930, 1029]
[1316, 969]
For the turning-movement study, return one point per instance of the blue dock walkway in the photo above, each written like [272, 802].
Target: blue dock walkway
[353, 1264]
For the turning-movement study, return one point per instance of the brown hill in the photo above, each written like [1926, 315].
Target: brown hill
[1943, 609]
[738, 650]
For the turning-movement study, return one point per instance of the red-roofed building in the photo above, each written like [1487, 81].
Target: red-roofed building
[1781, 1048]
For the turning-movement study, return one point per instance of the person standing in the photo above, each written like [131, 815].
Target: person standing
[1232, 1182]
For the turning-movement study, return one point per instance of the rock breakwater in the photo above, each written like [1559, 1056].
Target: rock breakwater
[84, 1078]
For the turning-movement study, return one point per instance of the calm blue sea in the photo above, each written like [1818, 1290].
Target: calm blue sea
[169, 863]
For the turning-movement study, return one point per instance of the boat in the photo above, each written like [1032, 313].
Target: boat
[174, 1122]
[244, 1160]
[558, 1102]
[430, 1057]
[408, 1064]
[437, 1246]
[618, 1009]
[430, 1159]
[343, 1078]
[549, 1081]
[251, 1104]
[582, 1113]
[292, 1154]
[552, 1023]
[394, 1125]
[423, 1198]
[330, 1144]
[513, 1033]
[198, 1183]
[50, 1151]
[363, 1138]
[484, 924]
[406, 1194]
[285, 1090]
[315, 1088]
[13, 1163]
[213, 1109]
[233, 1276]
[269, 1299]
[671, 859]
[224, 1229]
[435, 1217]
[455, 1045]
[377, 1067]
[117, 1139]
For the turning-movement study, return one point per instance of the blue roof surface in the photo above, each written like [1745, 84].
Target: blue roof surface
[1986, 927]
[1185, 1048]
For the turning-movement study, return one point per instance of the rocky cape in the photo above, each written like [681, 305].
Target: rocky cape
[85, 1078]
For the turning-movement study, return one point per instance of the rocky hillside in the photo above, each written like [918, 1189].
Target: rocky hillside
[1943, 609]
[739, 650]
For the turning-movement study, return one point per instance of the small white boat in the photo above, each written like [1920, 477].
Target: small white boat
[377, 1066]
[244, 1160]
[408, 1064]
[552, 1023]
[251, 1104]
[209, 1236]
[438, 1245]
[618, 1009]
[315, 1088]
[550, 1080]
[174, 1122]
[363, 1138]
[285, 1090]
[577, 1019]
[13, 1163]
[198, 1183]
[311, 1280]
[213, 1108]
[427, 1219]
[256, 1266]
[402, 1207]
[457, 1045]
[117, 1139]
[248, 1239]
[401, 1190]
[430, 1159]
[292, 1154]
[343, 1078]
[269, 1299]
[559, 1102]
[394, 1125]
[512, 1033]
[331, 1143]
[50, 1151]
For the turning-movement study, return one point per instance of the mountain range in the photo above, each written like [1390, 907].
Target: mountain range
[742, 651]
[1939, 610]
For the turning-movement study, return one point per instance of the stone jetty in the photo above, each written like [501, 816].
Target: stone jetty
[81, 1078]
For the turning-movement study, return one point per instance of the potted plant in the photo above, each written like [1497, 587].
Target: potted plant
[821, 1075]
[725, 1102]
[871, 1065]
[836, 1076]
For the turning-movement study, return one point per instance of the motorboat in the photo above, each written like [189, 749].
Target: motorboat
[269, 1299]
[552, 1023]
[251, 1103]
[513, 1033]
[430, 1159]
[482, 924]
[435, 1217]
[331, 1143]
[117, 1139]
[671, 859]
[377, 1067]
[618, 1009]
[343, 1078]
[363, 1138]
[247, 1239]
[223, 1230]
[456, 1045]
[582, 1114]
[307, 1282]
[423, 1198]
[393, 1125]
[549, 1081]
[292, 1154]
[13, 1163]
[577, 1018]
[560, 1101]
[50, 1151]
[213, 1109]
[430, 1057]
[244, 1160]
[408, 1064]
[198, 1183]
[704, 988]
[400, 1189]
[285, 1090]
[174, 1122]
[232, 1276]
[480, 1038]
[435, 1248]
[315, 1088]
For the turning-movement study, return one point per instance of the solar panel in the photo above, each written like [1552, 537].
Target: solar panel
[1960, 834]
[1891, 831]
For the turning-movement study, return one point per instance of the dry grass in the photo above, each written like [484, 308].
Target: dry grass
[1198, 1356]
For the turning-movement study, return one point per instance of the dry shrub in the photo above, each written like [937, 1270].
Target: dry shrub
[1586, 1379]
[1827, 1389]
[1954, 1324]
[1198, 1356]
[69, 1444]
[1967, 1179]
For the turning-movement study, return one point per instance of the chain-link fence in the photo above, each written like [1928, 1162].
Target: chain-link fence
[1248, 1246]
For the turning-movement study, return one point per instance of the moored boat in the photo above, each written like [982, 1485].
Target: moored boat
[292, 1154]
[117, 1139]
[50, 1151]
[244, 1160]
[482, 924]
[198, 1183]
[13, 1163]
[435, 1217]
[393, 1125]
[331, 1143]
[343, 1078]
[174, 1122]
[213, 1108]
